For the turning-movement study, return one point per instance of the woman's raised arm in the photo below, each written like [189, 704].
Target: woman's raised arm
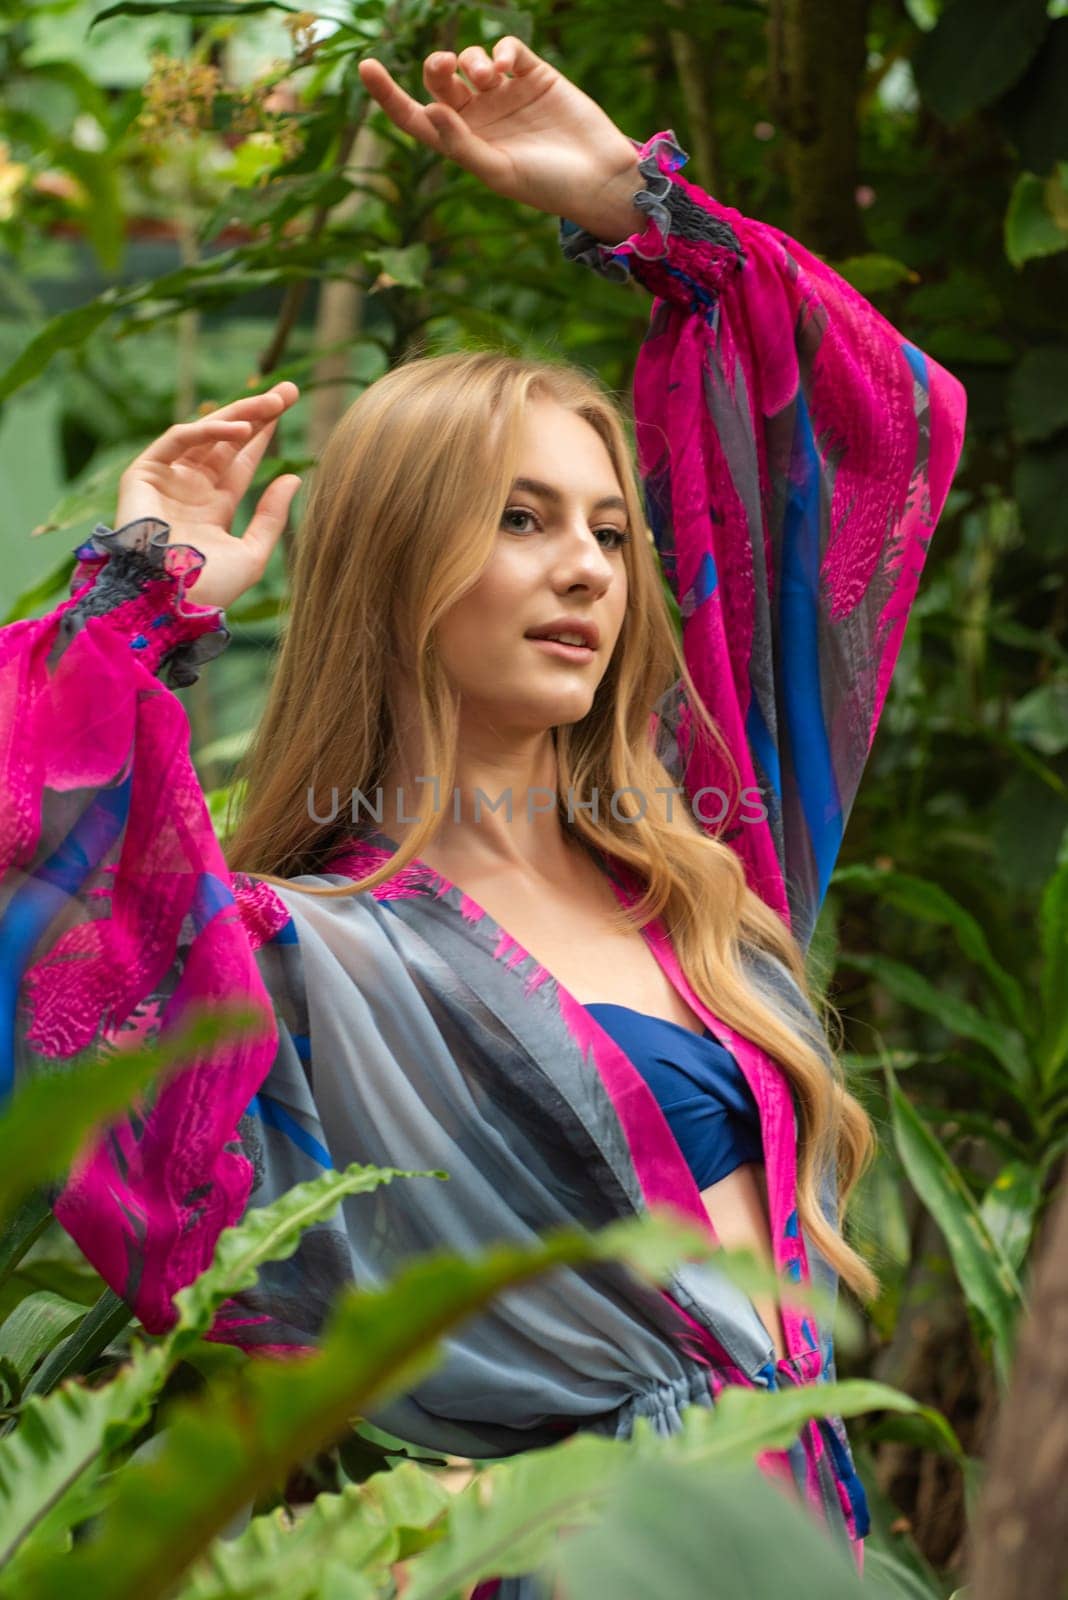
[118, 916]
[796, 453]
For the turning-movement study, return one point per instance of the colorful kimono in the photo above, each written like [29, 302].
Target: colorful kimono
[795, 452]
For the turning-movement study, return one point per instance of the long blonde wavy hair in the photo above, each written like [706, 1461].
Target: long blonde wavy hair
[402, 515]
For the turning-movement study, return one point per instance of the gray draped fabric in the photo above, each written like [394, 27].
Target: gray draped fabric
[425, 1050]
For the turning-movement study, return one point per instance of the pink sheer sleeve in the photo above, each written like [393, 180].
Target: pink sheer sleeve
[796, 452]
[118, 916]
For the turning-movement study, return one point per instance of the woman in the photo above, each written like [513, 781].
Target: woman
[654, 831]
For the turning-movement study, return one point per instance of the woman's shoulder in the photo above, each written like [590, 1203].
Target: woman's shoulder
[279, 912]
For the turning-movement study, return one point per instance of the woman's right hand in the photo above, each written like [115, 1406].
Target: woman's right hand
[194, 477]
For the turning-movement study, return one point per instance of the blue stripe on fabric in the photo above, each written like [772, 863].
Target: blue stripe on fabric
[762, 746]
[210, 896]
[274, 1115]
[799, 630]
[287, 934]
[302, 1045]
[858, 1499]
[706, 580]
[43, 896]
[918, 363]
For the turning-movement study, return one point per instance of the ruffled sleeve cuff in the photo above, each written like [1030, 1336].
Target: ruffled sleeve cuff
[689, 248]
[139, 581]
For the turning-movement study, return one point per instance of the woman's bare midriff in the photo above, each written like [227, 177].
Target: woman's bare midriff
[565, 930]
[737, 1209]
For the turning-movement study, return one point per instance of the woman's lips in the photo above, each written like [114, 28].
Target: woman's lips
[566, 652]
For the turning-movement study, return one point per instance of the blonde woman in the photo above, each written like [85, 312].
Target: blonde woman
[521, 890]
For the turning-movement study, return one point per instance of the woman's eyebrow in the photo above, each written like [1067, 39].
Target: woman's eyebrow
[547, 492]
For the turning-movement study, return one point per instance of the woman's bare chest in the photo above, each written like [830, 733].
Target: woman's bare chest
[572, 935]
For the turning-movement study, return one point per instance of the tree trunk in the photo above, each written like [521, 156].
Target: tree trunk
[1020, 1549]
[817, 57]
[694, 65]
[340, 311]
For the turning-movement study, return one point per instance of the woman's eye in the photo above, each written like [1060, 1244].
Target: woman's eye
[517, 511]
[617, 537]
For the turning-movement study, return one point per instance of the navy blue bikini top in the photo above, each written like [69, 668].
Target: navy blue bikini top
[698, 1085]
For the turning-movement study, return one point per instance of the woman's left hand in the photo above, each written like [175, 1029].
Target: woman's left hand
[524, 129]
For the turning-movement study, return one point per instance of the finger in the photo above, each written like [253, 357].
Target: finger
[184, 437]
[444, 82]
[513, 56]
[266, 403]
[456, 140]
[400, 108]
[479, 68]
[236, 474]
[270, 517]
[259, 409]
[233, 423]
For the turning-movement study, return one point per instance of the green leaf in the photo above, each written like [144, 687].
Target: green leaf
[1036, 112]
[48, 1119]
[1040, 485]
[985, 1274]
[1035, 224]
[101, 1324]
[22, 1230]
[220, 802]
[1038, 393]
[37, 1324]
[957, 1016]
[53, 586]
[745, 1422]
[96, 491]
[277, 202]
[503, 1523]
[506, 1521]
[893, 1580]
[189, 8]
[871, 273]
[1024, 638]
[1053, 922]
[230, 747]
[65, 1436]
[268, 1233]
[1040, 718]
[219, 1453]
[406, 266]
[960, 342]
[263, 609]
[918, 897]
[923, 1430]
[98, 173]
[64, 332]
[359, 1527]
[10, 1382]
[978, 50]
[1009, 1208]
[666, 1532]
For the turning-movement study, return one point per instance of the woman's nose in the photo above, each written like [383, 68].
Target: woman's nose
[585, 560]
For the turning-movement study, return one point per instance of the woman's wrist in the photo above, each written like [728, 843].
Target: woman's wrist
[614, 216]
[683, 244]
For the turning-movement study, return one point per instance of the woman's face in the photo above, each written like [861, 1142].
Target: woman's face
[558, 560]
